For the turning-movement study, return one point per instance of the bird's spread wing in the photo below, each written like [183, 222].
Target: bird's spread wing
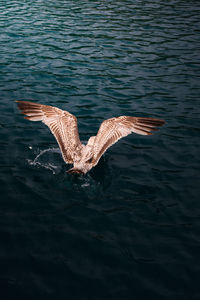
[62, 124]
[113, 129]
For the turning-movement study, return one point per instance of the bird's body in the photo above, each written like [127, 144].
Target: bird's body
[64, 127]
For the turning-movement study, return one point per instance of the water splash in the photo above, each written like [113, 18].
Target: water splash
[45, 161]
[89, 185]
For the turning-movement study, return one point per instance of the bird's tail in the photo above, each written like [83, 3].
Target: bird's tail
[75, 171]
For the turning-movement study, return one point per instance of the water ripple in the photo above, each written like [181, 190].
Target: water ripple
[130, 228]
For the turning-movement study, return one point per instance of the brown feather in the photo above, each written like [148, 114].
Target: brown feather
[113, 129]
[62, 124]
[64, 127]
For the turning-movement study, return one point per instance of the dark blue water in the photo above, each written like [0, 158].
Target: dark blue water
[129, 229]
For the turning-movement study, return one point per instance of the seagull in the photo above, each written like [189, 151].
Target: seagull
[64, 127]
